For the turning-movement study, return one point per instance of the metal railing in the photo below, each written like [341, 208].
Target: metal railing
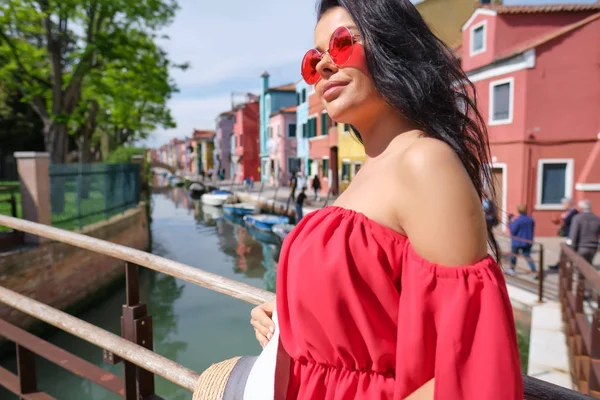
[82, 194]
[8, 205]
[141, 363]
[538, 248]
[579, 289]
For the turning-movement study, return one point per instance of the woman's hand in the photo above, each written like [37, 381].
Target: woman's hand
[262, 321]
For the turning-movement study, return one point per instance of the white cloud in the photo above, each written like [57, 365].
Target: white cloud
[192, 114]
[226, 41]
[239, 38]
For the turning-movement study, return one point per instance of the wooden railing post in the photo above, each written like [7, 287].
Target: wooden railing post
[594, 383]
[136, 326]
[26, 370]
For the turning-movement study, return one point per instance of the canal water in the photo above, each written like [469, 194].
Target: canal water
[192, 325]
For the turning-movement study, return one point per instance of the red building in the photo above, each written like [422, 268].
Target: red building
[245, 152]
[322, 145]
[537, 74]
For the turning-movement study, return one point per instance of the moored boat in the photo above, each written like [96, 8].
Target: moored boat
[216, 198]
[240, 209]
[282, 230]
[197, 189]
[265, 221]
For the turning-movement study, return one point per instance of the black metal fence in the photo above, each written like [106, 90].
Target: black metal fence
[82, 194]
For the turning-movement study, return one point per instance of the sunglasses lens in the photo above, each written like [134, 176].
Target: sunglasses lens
[309, 66]
[340, 46]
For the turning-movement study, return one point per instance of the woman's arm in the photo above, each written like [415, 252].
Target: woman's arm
[442, 217]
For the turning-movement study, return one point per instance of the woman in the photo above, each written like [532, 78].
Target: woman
[390, 293]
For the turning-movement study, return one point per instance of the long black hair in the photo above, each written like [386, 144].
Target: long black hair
[418, 75]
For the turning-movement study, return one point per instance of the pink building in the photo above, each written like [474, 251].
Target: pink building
[281, 145]
[537, 74]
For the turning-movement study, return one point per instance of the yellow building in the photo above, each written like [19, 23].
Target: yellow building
[351, 156]
[446, 17]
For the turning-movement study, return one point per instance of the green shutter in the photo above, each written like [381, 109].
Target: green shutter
[324, 124]
[325, 171]
[304, 130]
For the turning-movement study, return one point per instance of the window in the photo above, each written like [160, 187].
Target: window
[357, 167]
[278, 131]
[324, 124]
[325, 167]
[291, 130]
[304, 130]
[345, 171]
[293, 164]
[241, 139]
[478, 38]
[501, 101]
[298, 99]
[312, 127]
[303, 95]
[555, 181]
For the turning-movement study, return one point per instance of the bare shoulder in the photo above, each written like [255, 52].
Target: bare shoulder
[440, 212]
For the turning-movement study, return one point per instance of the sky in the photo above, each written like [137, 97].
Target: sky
[229, 44]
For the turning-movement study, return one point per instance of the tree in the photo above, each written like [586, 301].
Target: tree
[54, 46]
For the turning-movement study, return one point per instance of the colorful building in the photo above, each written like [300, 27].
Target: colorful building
[445, 17]
[351, 155]
[302, 89]
[222, 142]
[245, 156]
[537, 74]
[271, 100]
[281, 144]
[202, 152]
[322, 137]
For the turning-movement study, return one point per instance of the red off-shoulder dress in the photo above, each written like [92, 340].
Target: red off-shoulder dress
[363, 316]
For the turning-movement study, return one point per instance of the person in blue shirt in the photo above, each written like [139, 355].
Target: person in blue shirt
[521, 233]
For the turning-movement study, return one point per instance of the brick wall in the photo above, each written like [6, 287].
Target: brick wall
[65, 276]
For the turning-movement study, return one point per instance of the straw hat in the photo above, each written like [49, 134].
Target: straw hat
[211, 384]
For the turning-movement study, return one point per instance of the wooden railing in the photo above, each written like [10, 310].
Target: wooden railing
[141, 363]
[579, 286]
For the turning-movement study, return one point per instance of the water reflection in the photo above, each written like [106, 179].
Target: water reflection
[192, 325]
[253, 252]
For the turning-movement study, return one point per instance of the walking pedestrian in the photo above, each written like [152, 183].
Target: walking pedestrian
[293, 186]
[521, 233]
[585, 228]
[316, 185]
[299, 203]
[564, 222]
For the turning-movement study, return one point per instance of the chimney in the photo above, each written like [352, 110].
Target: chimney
[265, 82]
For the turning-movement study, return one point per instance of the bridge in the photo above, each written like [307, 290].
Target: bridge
[161, 165]
[141, 364]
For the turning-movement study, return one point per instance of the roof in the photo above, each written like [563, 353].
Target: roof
[287, 110]
[548, 37]
[289, 87]
[291, 109]
[545, 8]
[200, 134]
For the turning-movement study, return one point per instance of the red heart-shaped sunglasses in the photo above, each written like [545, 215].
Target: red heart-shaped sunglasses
[340, 49]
